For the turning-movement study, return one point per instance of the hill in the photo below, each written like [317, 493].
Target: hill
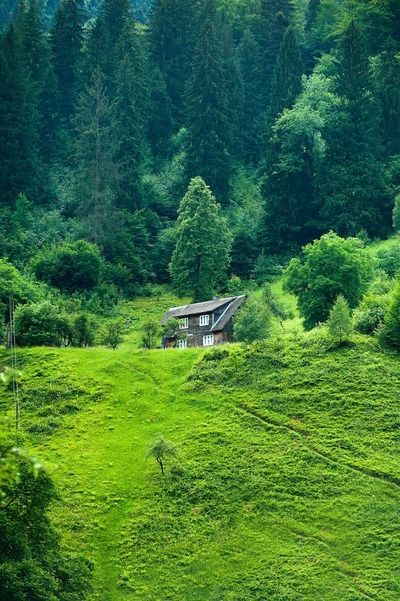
[285, 486]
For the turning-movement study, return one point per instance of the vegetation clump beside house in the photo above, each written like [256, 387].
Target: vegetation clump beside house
[202, 324]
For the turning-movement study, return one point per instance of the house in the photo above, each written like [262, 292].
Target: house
[203, 324]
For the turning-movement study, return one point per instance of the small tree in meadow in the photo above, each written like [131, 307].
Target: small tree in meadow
[150, 335]
[340, 323]
[113, 334]
[160, 450]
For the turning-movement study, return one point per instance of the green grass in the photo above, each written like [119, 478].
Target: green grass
[286, 485]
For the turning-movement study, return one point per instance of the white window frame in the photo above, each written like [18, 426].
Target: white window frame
[182, 343]
[204, 320]
[184, 323]
[208, 340]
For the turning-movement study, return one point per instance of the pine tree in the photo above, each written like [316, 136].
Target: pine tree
[96, 173]
[207, 109]
[20, 165]
[201, 256]
[289, 68]
[354, 190]
[172, 27]
[340, 323]
[104, 38]
[66, 40]
[253, 104]
[387, 74]
[132, 102]
[37, 58]
[275, 17]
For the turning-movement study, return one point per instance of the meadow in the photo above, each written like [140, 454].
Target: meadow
[285, 485]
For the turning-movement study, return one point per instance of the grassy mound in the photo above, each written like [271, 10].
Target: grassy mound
[285, 487]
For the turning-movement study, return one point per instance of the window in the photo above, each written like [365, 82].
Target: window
[184, 323]
[204, 320]
[182, 343]
[208, 340]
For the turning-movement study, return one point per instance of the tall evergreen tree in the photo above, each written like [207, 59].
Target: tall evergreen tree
[275, 17]
[201, 257]
[66, 40]
[96, 172]
[132, 102]
[36, 55]
[354, 190]
[387, 75]
[207, 109]
[104, 38]
[289, 68]
[20, 165]
[253, 105]
[172, 31]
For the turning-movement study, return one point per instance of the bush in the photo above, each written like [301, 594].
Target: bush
[84, 328]
[390, 333]
[41, 324]
[13, 283]
[389, 260]
[70, 266]
[150, 335]
[252, 322]
[371, 313]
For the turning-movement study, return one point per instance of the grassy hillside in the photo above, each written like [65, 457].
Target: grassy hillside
[286, 485]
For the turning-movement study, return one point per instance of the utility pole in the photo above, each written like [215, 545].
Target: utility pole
[14, 365]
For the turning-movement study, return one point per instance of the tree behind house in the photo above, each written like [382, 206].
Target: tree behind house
[201, 257]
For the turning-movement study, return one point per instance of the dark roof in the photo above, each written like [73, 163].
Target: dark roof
[200, 308]
[228, 313]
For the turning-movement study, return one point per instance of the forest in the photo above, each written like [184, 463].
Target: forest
[155, 153]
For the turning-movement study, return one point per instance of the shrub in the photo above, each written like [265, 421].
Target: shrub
[84, 328]
[370, 314]
[150, 334]
[41, 324]
[389, 260]
[252, 322]
[326, 268]
[13, 283]
[70, 266]
[113, 334]
[390, 333]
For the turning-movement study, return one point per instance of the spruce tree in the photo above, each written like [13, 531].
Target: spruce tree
[289, 68]
[37, 58]
[201, 257]
[20, 164]
[387, 76]
[131, 108]
[66, 41]
[96, 173]
[354, 190]
[172, 30]
[207, 109]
